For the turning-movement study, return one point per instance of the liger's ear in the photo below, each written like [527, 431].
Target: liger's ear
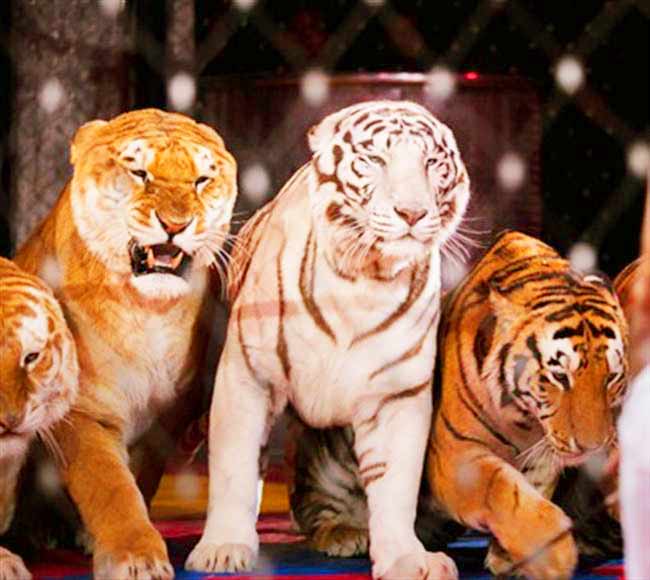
[504, 307]
[83, 137]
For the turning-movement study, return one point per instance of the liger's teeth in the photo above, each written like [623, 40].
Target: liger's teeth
[177, 260]
[151, 260]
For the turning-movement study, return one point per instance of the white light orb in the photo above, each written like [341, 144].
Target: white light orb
[244, 5]
[255, 183]
[181, 91]
[583, 257]
[50, 272]
[638, 159]
[315, 87]
[374, 3]
[48, 478]
[111, 7]
[51, 95]
[569, 74]
[187, 485]
[511, 171]
[440, 83]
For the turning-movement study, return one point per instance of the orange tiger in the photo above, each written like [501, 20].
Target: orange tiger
[342, 266]
[38, 381]
[129, 244]
[535, 364]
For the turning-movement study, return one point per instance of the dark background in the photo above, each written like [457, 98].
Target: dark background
[588, 192]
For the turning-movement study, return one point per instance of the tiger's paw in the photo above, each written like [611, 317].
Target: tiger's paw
[422, 566]
[12, 566]
[498, 561]
[207, 557]
[341, 541]
[555, 562]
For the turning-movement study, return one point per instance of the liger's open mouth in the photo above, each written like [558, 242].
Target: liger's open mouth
[159, 259]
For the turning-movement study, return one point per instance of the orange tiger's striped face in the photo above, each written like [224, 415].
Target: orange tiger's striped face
[567, 364]
[38, 361]
[153, 194]
[388, 178]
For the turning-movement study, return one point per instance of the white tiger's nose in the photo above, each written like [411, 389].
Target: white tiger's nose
[410, 215]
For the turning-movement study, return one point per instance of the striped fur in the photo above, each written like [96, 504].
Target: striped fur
[128, 247]
[39, 377]
[335, 295]
[501, 436]
[535, 364]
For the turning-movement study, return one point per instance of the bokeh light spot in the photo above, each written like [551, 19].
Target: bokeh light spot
[51, 95]
[511, 171]
[111, 7]
[181, 91]
[440, 83]
[314, 87]
[569, 74]
[583, 257]
[638, 159]
[255, 183]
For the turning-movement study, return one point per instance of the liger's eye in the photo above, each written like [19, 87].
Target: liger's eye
[201, 182]
[562, 379]
[141, 174]
[30, 358]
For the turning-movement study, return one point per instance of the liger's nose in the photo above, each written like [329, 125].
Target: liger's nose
[172, 227]
[10, 421]
[410, 216]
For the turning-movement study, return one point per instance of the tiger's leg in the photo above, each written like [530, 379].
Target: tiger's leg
[327, 500]
[126, 545]
[390, 447]
[484, 492]
[240, 420]
[543, 477]
[12, 566]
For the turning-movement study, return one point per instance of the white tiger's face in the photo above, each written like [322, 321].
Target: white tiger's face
[153, 194]
[388, 182]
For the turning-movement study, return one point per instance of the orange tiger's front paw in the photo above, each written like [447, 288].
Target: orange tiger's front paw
[143, 559]
[555, 562]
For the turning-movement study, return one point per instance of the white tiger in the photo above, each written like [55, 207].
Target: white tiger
[335, 304]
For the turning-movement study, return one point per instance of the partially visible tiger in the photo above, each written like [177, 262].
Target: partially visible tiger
[38, 381]
[532, 364]
[342, 266]
[129, 246]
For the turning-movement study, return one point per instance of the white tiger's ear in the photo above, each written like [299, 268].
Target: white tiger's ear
[83, 137]
[320, 135]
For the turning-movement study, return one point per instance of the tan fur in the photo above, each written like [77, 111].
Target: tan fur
[38, 382]
[139, 350]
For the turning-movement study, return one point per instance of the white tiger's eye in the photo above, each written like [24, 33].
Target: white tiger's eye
[430, 162]
[201, 182]
[139, 174]
[377, 160]
[30, 358]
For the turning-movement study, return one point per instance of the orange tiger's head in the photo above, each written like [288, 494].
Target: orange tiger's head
[152, 197]
[559, 347]
[38, 359]
[387, 178]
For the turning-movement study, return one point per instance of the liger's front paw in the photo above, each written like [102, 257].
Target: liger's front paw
[422, 566]
[207, 557]
[138, 562]
[554, 562]
[341, 541]
[12, 566]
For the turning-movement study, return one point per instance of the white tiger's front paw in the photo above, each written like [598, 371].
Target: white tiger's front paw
[422, 566]
[12, 566]
[207, 557]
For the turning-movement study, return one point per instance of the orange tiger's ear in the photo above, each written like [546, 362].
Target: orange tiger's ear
[83, 137]
[506, 309]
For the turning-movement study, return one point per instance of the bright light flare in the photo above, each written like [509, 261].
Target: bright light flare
[583, 257]
[181, 91]
[440, 83]
[569, 74]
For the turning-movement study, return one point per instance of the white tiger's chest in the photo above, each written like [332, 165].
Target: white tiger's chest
[350, 340]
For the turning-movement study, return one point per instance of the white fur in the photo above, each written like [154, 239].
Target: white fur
[350, 379]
